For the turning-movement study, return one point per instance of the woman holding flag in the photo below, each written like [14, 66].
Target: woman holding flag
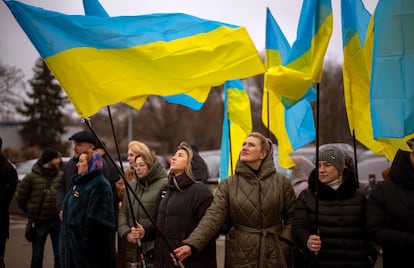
[332, 234]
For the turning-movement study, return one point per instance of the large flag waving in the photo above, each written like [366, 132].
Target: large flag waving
[193, 99]
[100, 61]
[237, 124]
[303, 66]
[357, 46]
[294, 125]
[392, 86]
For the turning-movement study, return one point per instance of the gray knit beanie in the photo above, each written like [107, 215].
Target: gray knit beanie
[333, 155]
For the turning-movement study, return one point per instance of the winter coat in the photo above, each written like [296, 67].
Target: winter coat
[87, 231]
[8, 183]
[177, 213]
[70, 169]
[341, 224]
[259, 207]
[390, 213]
[30, 191]
[146, 189]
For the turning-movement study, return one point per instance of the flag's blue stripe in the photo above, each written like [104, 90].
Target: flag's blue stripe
[315, 12]
[186, 100]
[225, 140]
[299, 123]
[355, 20]
[275, 39]
[105, 32]
[233, 84]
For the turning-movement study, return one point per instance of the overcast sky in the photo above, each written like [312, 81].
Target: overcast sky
[17, 50]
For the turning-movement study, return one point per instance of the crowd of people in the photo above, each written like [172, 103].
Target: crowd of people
[99, 215]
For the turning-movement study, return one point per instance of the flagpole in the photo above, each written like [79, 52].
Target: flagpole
[268, 114]
[128, 186]
[230, 149]
[317, 161]
[140, 253]
[355, 156]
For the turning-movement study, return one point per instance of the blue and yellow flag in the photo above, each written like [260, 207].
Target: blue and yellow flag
[193, 99]
[293, 125]
[392, 82]
[303, 67]
[101, 61]
[357, 46]
[237, 124]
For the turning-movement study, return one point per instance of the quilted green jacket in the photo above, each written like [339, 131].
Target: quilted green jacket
[259, 205]
[31, 189]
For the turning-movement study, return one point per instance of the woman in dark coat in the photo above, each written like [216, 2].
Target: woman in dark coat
[390, 213]
[338, 239]
[88, 223]
[180, 206]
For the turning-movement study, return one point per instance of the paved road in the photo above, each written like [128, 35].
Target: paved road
[19, 251]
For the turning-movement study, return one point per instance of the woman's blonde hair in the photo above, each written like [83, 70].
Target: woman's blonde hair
[265, 143]
[137, 147]
[188, 168]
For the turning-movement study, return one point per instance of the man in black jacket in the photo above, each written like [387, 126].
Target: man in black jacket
[8, 183]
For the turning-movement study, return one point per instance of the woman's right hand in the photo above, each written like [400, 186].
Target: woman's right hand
[314, 243]
[136, 233]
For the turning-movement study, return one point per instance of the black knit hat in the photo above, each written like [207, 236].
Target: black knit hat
[48, 155]
[333, 155]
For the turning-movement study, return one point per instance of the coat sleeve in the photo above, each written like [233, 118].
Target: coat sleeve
[23, 192]
[301, 223]
[377, 231]
[213, 220]
[288, 210]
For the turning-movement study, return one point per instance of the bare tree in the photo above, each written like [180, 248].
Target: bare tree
[11, 89]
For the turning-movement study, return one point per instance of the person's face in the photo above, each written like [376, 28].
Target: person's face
[179, 161]
[327, 172]
[130, 157]
[251, 152]
[78, 147]
[82, 164]
[141, 168]
[55, 163]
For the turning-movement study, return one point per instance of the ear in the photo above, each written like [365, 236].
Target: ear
[262, 155]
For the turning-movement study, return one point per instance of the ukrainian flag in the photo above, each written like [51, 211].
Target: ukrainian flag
[392, 84]
[303, 67]
[357, 46]
[193, 99]
[101, 61]
[237, 125]
[292, 125]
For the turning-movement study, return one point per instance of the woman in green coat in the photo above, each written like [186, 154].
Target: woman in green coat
[149, 177]
[258, 203]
